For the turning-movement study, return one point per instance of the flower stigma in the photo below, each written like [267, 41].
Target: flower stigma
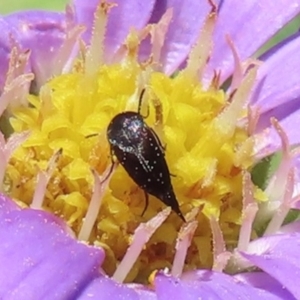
[207, 150]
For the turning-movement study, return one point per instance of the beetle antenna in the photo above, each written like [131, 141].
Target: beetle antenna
[140, 100]
[91, 135]
[146, 203]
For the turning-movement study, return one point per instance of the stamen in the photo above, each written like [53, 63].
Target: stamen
[210, 174]
[96, 201]
[141, 236]
[225, 123]
[250, 209]
[221, 261]
[46, 104]
[282, 211]
[215, 83]
[95, 53]
[7, 149]
[17, 83]
[296, 195]
[295, 152]
[15, 91]
[158, 125]
[253, 116]
[213, 5]
[275, 188]
[70, 15]
[158, 33]
[132, 46]
[295, 202]
[217, 235]
[284, 139]
[184, 240]
[200, 54]
[42, 181]
[81, 62]
[239, 68]
[67, 52]
[17, 63]
[221, 256]
[243, 155]
[192, 214]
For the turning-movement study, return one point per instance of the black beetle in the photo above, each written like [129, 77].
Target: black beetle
[140, 152]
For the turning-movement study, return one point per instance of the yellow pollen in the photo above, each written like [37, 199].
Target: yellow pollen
[205, 150]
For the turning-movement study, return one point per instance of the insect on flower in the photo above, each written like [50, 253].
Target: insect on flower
[139, 150]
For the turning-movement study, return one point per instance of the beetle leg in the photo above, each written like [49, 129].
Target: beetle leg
[113, 163]
[162, 148]
[146, 204]
[110, 171]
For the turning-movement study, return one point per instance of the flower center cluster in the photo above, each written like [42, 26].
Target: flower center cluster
[206, 151]
[207, 172]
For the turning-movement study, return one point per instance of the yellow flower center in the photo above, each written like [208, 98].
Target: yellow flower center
[73, 106]
[204, 150]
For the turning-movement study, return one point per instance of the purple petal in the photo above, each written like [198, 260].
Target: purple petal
[105, 288]
[278, 256]
[290, 227]
[266, 282]
[188, 19]
[6, 206]
[278, 91]
[143, 291]
[290, 122]
[250, 24]
[126, 15]
[204, 284]
[39, 259]
[43, 33]
[296, 205]
[84, 12]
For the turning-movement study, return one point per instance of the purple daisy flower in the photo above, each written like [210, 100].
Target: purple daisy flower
[139, 44]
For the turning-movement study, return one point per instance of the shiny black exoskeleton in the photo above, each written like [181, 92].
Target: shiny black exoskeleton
[139, 151]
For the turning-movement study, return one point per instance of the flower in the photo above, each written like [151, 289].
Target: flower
[52, 164]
